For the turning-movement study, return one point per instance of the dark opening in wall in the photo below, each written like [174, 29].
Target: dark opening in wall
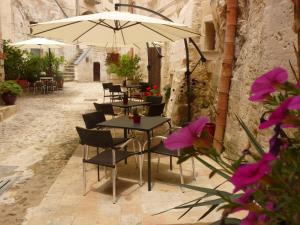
[210, 36]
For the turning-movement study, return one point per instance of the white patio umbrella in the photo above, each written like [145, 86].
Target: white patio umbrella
[113, 27]
[39, 43]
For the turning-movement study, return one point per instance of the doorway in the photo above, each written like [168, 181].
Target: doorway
[154, 66]
[96, 71]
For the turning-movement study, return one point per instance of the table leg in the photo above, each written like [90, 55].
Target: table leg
[149, 160]
[125, 149]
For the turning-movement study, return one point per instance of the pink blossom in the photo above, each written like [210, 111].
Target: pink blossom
[253, 218]
[281, 112]
[246, 197]
[266, 84]
[249, 174]
[186, 136]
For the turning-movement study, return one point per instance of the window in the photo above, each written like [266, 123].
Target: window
[210, 36]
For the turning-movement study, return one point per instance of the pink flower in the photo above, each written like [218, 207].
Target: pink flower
[249, 174]
[253, 218]
[246, 197]
[186, 136]
[280, 114]
[266, 84]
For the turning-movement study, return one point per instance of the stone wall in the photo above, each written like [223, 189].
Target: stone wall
[264, 40]
[195, 14]
[1, 56]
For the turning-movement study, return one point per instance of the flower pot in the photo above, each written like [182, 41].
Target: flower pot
[8, 98]
[136, 119]
[60, 84]
[23, 83]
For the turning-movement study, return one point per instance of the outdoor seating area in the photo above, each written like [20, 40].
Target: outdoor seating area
[153, 112]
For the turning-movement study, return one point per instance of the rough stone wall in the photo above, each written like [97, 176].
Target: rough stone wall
[193, 13]
[264, 40]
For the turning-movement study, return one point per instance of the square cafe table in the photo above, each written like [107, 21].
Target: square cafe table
[147, 125]
[129, 105]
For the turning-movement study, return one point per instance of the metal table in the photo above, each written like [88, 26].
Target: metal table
[129, 105]
[147, 125]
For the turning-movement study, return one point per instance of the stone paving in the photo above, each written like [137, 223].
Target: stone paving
[39, 147]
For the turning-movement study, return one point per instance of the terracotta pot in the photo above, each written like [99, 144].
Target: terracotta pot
[136, 119]
[60, 84]
[23, 83]
[9, 99]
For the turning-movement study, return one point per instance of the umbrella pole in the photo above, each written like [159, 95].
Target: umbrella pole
[188, 72]
[50, 62]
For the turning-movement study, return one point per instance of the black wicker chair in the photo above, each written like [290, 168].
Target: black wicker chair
[161, 150]
[156, 109]
[92, 119]
[105, 108]
[153, 99]
[111, 155]
[106, 87]
[116, 93]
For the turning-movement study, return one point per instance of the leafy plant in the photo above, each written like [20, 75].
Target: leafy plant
[266, 184]
[128, 67]
[14, 61]
[10, 87]
[167, 90]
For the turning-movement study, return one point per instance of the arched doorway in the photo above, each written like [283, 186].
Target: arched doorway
[96, 71]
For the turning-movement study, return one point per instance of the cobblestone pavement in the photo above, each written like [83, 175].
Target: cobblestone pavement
[36, 143]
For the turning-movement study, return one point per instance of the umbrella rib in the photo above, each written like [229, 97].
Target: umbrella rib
[98, 23]
[137, 23]
[123, 37]
[104, 24]
[54, 28]
[157, 32]
[125, 24]
[178, 28]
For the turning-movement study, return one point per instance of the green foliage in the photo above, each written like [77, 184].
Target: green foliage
[14, 61]
[127, 68]
[167, 90]
[10, 87]
[20, 64]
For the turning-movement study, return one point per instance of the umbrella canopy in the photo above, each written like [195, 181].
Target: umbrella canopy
[114, 27]
[39, 43]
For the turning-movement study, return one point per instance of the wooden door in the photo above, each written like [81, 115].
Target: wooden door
[96, 71]
[154, 66]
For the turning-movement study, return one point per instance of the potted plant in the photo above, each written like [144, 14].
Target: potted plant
[136, 116]
[127, 68]
[9, 91]
[59, 78]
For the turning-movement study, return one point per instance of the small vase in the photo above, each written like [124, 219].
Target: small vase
[136, 119]
[9, 99]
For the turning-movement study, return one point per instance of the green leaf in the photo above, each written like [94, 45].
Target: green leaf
[208, 212]
[217, 201]
[207, 190]
[251, 137]
[226, 176]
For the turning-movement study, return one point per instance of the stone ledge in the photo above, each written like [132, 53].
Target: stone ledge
[7, 111]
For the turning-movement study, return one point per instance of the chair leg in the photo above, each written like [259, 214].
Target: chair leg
[114, 184]
[84, 178]
[135, 156]
[193, 165]
[158, 162]
[171, 163]
[141, 169]
[181, 177]
[98, 172]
